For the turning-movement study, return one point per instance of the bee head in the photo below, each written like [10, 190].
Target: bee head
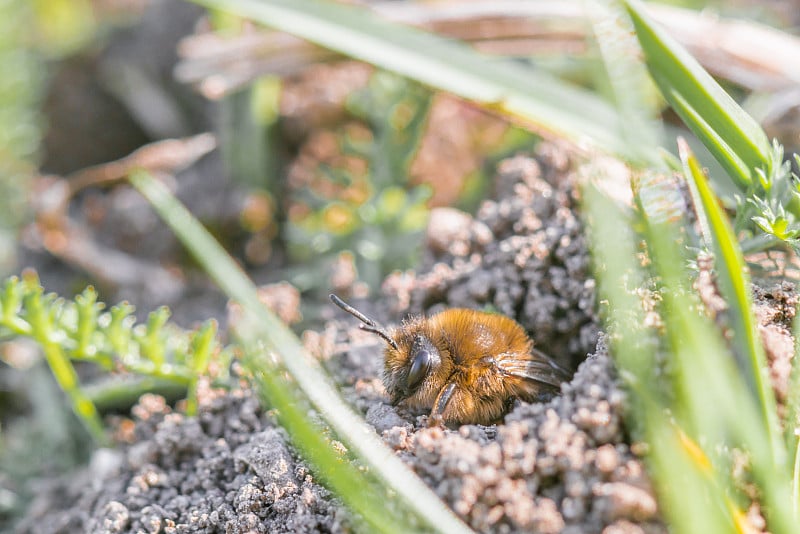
[410, 356]
[423, 357]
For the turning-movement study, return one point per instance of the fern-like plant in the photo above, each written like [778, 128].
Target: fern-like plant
[80, 330]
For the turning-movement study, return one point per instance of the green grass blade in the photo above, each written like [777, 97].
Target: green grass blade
[22, 90]
[796, 480]
[533, 97]
[731, 135]
[709, 401]
[630, 89]
[409, 491]
[792, 423]
[619, 274]
[696, 504]
[734, 285]
[361, 493]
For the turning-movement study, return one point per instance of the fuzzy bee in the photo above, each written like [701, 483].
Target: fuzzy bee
[465, 366]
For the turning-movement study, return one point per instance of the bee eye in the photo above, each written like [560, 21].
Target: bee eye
[419, 368]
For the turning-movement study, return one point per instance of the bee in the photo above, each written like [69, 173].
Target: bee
[465, 366]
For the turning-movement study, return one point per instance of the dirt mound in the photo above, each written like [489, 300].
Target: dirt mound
[228, 470]
[566, 465]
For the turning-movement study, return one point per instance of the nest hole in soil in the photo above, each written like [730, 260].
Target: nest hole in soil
[565, 465]
[561, 466]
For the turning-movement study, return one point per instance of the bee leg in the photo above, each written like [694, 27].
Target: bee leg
[435, 420]
[440, 404]
[510, 403]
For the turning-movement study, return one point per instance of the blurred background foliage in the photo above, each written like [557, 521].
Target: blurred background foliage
[337, 165]
[21, 80]
[356, 192]
[352, 190]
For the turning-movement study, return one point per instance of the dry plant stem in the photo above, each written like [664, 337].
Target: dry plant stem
[762, 60]
[169, 156]
[753, 55]
[73, 243]
[109, 266]
[219, 65]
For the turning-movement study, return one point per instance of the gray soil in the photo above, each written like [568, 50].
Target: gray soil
[566, 465]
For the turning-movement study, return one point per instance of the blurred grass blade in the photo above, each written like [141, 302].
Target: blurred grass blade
[525, 94]
[729, 133]
[697, 503]
[409, 492]
[734, 283]
[619, 274]
[796, 481]
[709, 403]
[23, 75]
[701, 393]
[792, 423]
[696, 455]
[362, 494]
[629, 86]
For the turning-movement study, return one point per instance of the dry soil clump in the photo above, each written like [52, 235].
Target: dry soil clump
[566, 465]
[560, 466]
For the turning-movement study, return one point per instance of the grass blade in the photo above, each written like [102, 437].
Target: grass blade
[527, 95]
[729, 133]
[709, 402]
[410, 492]
[631, 90]
[792, 423]
[734, 284]
[696, 410]
[619, 274]
[698, 503]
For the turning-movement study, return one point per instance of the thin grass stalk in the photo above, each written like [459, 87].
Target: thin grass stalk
[412, 494]
[730, 134]
[734, 283]
[527, 95]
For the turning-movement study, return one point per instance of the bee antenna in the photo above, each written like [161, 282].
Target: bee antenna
[367, 324]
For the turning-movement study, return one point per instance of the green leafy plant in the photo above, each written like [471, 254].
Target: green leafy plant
[370, 209]
[717, 397]
[698, 403]
[769, 198]
[69, 331]
[695, 399]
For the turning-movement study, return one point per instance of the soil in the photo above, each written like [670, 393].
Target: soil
[567, 465]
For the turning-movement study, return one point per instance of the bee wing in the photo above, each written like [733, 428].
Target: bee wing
[536, 366]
